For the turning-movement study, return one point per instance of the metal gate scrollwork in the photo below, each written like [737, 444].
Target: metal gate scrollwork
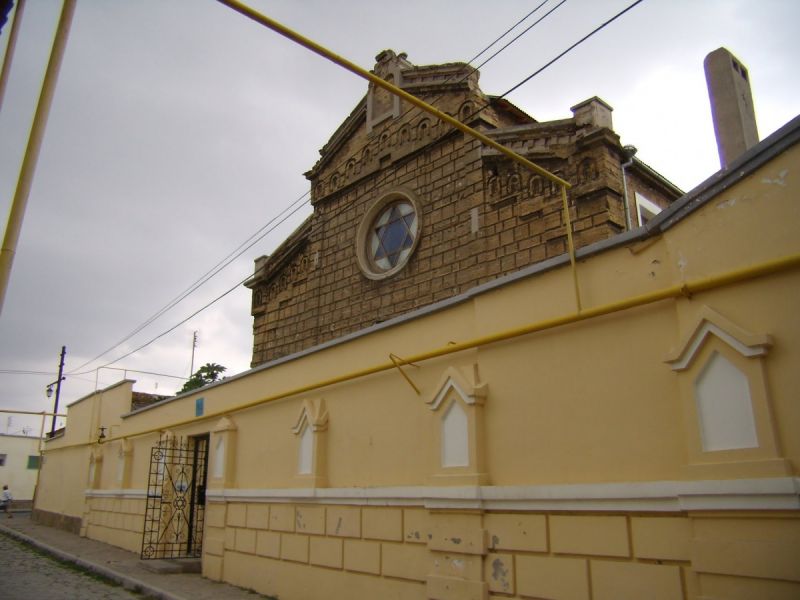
[176, 490]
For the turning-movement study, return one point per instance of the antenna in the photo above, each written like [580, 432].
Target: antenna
[194, 345]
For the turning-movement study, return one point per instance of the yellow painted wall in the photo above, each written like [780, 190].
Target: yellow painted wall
[583, 438]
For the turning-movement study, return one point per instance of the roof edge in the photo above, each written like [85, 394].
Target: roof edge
[773, 145]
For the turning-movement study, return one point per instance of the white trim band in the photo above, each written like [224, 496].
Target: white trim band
[127, 494]
[663, 496]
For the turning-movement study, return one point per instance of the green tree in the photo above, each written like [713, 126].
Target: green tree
[208, 373]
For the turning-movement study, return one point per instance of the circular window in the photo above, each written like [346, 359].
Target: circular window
[388, 236]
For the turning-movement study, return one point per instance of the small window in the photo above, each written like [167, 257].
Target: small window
[393, 234]
[34, 461]
[388, 235]
[645, 209]
[2, 460]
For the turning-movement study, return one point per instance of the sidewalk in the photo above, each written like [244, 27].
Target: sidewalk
[118, 565]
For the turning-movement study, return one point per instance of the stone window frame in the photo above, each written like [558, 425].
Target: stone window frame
[455, 389]
[221, 455]
[714, 335]
[311, 421]
[365, 228]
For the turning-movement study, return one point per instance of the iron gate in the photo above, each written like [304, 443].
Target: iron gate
[176, 497]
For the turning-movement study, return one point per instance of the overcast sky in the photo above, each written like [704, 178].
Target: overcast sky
[180, 128]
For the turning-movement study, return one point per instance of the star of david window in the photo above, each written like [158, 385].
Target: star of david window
[393, 235]
[388, 236]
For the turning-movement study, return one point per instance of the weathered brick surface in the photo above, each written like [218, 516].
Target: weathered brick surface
[237, 515]
[268, 543]
[326, 552]
[517, 532]
[482, 216]
[281, 517]
[632, 581]
[382, 523]
[310, 519]
[245, 540]
[602, 535]
[362, 557]
[343, 521]
[548, 577]
[294, 547]
[405, 561]
[257, 516]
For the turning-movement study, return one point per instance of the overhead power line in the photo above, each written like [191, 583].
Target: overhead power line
[572, 47]
[523, 32]
[236, 253]
[416, 110]
[212, 302]
[213, 271]
[505, 33]
[493, 100]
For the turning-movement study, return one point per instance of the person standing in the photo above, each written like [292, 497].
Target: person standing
[5, 501]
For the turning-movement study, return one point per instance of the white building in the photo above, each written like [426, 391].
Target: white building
[19, 464]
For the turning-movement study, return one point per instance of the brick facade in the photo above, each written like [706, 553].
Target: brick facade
[480, 215]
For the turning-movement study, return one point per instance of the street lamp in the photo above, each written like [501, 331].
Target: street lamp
[57, 383]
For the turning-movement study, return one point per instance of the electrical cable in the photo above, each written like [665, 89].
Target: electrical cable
[410, 114]
[506, 32]
[573, 46]
[214, 301]
[495, 99]
[236, 253]
[213, 272]
[531, 26]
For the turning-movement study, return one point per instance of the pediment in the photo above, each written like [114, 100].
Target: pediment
[224, 424]
[467, 388]
[711, 323]
[383, 128]
[313, 413]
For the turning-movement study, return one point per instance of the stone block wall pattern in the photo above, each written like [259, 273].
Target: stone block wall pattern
[480, 215]
[529, 555]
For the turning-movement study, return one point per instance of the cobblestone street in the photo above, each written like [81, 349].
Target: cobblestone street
[29, 575]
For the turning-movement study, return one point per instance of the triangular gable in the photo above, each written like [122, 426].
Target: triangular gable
[314, 413]
[453, 379]
[224, 424]
[710, 322]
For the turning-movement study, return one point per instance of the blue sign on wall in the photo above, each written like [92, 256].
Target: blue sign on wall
[198, 407]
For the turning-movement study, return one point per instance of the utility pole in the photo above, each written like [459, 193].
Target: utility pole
[57, 383]
[194, 345]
